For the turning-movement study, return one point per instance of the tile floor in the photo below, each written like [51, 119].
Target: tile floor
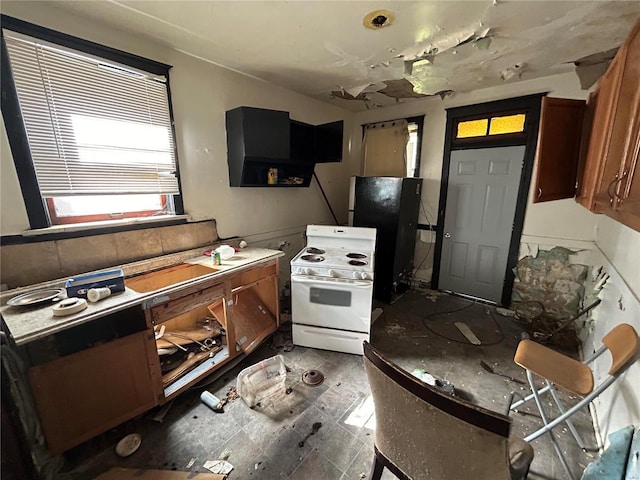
[274, 441]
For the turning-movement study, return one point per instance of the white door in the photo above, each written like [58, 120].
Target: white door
[481, 202]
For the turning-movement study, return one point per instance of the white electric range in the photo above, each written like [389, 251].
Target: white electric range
[332, 288]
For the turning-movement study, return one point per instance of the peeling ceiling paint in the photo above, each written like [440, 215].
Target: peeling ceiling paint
[322, 48]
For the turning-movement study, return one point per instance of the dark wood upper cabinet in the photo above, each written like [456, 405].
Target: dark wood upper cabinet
[258, 133]
[303, 142]
[329, 138]
[558, 148]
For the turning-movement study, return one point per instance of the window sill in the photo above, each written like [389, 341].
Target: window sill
[106, 226]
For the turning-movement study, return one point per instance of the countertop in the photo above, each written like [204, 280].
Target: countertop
[26, 324]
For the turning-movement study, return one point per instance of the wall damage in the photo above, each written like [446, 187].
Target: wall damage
[549, 277]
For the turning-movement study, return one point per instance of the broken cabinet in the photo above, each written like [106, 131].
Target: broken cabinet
[96, 375]
[81, 394]
[200, 329]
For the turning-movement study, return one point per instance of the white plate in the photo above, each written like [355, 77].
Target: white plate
[35, 298]
[128, 445]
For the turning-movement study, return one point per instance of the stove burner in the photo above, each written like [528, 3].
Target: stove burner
[312, 258]
[356, 255]
[357, 263]
[315, 251]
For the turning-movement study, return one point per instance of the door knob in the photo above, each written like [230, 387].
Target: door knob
[447, 235]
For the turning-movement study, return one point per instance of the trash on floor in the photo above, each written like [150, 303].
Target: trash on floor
[118, 473]
[211, 401]
[492, 370]
[466, 331]
[218, 466]
[230, 396]
[313, 378]
[263, 381]
[128, 445]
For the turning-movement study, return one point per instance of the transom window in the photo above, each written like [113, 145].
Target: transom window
[99, 133]
[493, 125]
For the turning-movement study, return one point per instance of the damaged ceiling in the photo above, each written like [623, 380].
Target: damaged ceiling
[360, 54]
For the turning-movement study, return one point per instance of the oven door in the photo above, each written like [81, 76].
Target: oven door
[332, 303]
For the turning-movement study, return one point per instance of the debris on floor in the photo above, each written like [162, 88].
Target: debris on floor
[313, 378]
[211, 401]
[128, 445]
[314, 429]
[468, 334]
[230, 396]
[492, 370]
[218, 466]
[283, 339]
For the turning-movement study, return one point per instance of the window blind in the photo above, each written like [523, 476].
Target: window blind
[94, 127]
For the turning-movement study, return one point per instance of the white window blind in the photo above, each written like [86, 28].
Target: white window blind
[94, 127]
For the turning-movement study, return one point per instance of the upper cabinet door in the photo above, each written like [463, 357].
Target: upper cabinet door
[558, 148]
[329, 142]
[303, 139]
[262, 134]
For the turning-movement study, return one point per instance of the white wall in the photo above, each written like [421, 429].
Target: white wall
[618, 252]
[201, 93]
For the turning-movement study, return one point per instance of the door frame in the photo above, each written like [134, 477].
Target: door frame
[530, 105]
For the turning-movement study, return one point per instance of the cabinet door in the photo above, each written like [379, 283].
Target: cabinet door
[84, 394]
[303, 139]
[599, 168]
[558, 148]
[329, 142]
[624, 194]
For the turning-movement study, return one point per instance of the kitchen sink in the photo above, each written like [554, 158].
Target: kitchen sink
[164, 277]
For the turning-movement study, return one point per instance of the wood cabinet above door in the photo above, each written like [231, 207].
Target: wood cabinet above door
[558, 148]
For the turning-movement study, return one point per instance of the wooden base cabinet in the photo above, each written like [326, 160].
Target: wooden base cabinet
[84, 394]
[95, 376]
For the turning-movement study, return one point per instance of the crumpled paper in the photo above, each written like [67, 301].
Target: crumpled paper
[218, 466]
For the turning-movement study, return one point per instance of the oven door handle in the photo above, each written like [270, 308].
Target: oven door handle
[323, 281]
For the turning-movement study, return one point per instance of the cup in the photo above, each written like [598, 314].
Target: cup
[95, 294]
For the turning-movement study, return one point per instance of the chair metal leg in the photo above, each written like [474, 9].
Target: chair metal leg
[527, 398]
[554, 440]
[376, 468]
[563, 411]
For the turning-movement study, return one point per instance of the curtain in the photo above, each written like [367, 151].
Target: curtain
[385, 149]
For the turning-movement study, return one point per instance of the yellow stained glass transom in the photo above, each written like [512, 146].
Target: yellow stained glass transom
[507, 124]
[472, 128]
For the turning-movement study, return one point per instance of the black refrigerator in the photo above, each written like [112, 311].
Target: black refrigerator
[391, 205]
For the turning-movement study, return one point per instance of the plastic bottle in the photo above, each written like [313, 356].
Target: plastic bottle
[211, 401]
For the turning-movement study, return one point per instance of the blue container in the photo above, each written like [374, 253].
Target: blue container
[78, 286]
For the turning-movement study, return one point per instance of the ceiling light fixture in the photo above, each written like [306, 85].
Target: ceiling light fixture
[378, 19]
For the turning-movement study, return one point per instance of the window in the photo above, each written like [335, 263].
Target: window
[413, 145]
[99, 132]
[498, 125]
